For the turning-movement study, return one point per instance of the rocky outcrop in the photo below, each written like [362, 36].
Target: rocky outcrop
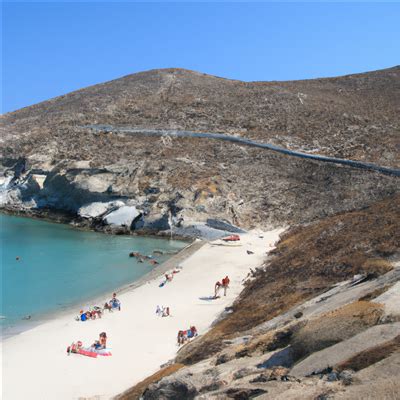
[98, 209]
[123, 216]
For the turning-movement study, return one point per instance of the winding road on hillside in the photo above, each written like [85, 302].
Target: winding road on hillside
[243, 141]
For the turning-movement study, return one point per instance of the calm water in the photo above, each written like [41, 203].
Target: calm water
[60, 266]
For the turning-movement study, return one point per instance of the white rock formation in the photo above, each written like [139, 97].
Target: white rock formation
[97, 209]
[122, 217]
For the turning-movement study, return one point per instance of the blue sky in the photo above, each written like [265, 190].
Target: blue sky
[52, 48]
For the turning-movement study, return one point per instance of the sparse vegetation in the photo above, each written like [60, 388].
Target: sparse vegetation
[371, 356]
[307, 261]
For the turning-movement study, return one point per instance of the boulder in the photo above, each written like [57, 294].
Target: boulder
[170, 389]
[98, 209]
[124, 216]
[156, 222]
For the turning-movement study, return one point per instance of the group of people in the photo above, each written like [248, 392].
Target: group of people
[184, 336]
[94, 313]
[114, 303]
[162, 311]
[96, 348]
[223, 284]
[141, 258]
[97, 312]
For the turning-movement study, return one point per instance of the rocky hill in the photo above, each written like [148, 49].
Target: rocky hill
[191, 180]
[320, 319]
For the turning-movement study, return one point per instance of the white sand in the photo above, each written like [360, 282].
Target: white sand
[35, 363]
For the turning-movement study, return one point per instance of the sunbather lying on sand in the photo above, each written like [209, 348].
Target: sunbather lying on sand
[98, 348]
[74, 347]
[101, 343]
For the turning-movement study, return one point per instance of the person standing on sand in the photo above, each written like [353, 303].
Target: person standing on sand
[225, 284]
[216, 289]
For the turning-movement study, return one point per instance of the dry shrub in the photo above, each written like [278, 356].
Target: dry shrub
[375, 293]
[307, 261]
[370, 356]
[382, 389]
[335, 326]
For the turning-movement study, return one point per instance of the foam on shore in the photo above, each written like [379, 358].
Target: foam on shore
[35, 363]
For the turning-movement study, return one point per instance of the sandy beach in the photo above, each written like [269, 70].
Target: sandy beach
[35, 363]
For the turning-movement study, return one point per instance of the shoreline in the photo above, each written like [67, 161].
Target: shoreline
[26, 325]
[70, 219]
[139, 340]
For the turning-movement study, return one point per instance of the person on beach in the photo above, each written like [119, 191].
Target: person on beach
[217, 287]
[181, 338]
[74, 347]
[192, 332]
[165, 312]
[114, 302]
[83, 316]
[97, 311]
[184, 336]
[101, 343]
[225, 284]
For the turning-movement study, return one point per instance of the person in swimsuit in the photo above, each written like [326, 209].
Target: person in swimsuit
[102, 342]
[225, 284]
[114, 302]
[216, 289]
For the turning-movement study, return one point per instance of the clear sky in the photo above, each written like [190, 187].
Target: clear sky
[52, 48]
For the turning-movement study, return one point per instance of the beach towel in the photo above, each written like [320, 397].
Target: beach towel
[90, 352]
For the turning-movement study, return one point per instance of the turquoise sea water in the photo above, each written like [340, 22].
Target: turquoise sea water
[59, 267]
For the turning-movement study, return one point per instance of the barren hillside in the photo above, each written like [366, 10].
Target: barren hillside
[355, 117]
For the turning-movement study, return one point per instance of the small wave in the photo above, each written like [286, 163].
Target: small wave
[2, 317]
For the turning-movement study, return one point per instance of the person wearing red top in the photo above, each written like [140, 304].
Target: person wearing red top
[225, 284]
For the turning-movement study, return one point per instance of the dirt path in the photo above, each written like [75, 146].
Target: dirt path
[243, 141]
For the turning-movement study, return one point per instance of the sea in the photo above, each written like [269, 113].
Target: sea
[49, 267]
